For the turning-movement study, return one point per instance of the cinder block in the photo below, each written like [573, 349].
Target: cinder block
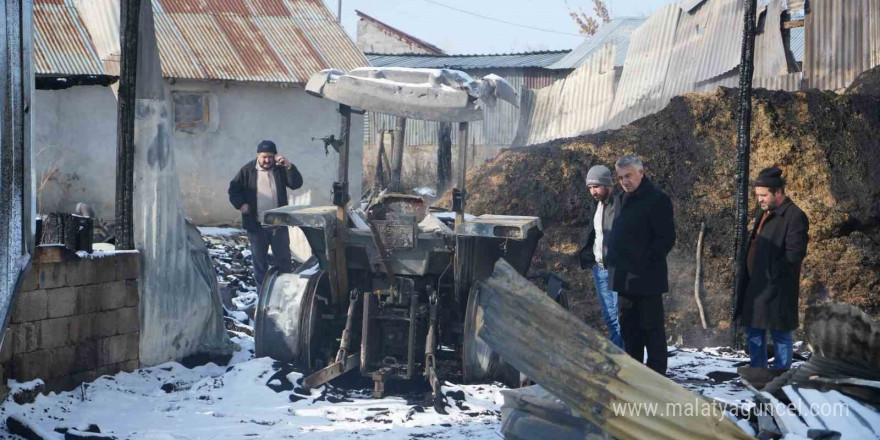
[132, 293]
[112, 350]
[30, 366]
[132, 346]
[81, 327]
[87, 356]
[128, 266]
[108, 370]
[61, 302]
[54, 333]
[30, 306]
[29, 281]
[128, 320]
[112, 295]
[88, 299]
[132, 365]
[6, 348]
[104, 324]
[63, 361]
[82, 272]
[25, 337]
[50, 275]
[105, 269]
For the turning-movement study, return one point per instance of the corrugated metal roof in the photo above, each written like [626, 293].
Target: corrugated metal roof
[770, 59]
[251, 40]
[796, 39]
[465, 62]
[618, 32]
[62, 45]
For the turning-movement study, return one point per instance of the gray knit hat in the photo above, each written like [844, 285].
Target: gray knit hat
[599, 175]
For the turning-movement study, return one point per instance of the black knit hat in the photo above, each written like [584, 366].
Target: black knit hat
[770, 178]
[267, 147]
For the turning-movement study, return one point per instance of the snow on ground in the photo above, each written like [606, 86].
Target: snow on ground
[220, 232]
[253, 398]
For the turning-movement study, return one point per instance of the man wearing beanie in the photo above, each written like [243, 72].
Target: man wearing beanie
[594, 253]
[642, 236]
[259, 186]
[767, 297]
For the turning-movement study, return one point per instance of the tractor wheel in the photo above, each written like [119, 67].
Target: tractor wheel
[479, 362]
[289, 325]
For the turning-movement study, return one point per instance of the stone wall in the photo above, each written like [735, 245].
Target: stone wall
[74, 319]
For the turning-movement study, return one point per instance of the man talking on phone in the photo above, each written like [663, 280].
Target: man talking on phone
[259, 186]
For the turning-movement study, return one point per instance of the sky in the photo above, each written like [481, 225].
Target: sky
[461, 33]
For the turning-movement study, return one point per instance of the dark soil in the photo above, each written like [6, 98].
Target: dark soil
[827, 144]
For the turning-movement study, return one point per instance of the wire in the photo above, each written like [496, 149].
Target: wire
[500, 20]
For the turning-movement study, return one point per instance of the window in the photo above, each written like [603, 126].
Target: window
[191, 112]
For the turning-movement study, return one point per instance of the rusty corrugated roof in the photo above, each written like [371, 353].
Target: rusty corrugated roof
[62, 45]
[251, 40]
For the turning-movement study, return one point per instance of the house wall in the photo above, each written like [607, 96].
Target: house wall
[75, 129]
[373, 39]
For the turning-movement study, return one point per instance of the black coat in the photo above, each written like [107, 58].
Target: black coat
[642, 235]
[586, 258]
[768, 298]
[243, 189]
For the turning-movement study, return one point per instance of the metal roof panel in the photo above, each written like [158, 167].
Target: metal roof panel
[62, 45]
[464, 62]
[618, 32]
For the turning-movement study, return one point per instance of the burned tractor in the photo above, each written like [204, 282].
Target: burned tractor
[389, 290]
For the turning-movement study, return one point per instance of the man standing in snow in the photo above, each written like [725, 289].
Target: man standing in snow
[259, 186]
[642, 236]
[594, 253]
[767, 298]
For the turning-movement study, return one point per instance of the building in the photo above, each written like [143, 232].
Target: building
[234, 73]
[374, 36]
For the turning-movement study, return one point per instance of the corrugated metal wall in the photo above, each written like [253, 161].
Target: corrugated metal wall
[577, 104]
[842, 40]
[498, 126]
[677, 51]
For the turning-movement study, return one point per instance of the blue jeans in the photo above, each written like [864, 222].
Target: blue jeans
[783, 349]
[608, 303]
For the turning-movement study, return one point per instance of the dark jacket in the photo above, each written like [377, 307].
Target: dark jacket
[642, 235]
[768, 298]
[243, 189]
[586, 258]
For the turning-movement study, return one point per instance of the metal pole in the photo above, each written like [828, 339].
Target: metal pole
[397, 156]
[444, 157]
[129, 12]
[462, 174]
[16, 196]
[743, 147]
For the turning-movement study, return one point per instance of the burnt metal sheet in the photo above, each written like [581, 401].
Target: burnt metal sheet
[640, 91]
[251, 40]
[618, 33]
[465, 62]
[580, 103]
[62, 45]
[770, 60]
[689, 37]
[500, 226]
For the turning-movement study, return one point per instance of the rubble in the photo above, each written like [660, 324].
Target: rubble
[233, 264]
[828, 144]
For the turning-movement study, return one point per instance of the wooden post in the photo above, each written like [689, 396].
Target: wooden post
[340, 197]
[698, 278]
[397, 156]
[129, 15]
[585, 370]
[462, 172]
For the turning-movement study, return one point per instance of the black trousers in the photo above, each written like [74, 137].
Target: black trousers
[642, 327]
[260, 240]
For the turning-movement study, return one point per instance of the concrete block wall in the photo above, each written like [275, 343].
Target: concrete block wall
[74, 321]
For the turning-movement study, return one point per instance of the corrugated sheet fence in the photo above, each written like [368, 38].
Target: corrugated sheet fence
[697, 50]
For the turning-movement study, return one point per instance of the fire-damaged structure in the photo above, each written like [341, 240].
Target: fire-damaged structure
[394, 276]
